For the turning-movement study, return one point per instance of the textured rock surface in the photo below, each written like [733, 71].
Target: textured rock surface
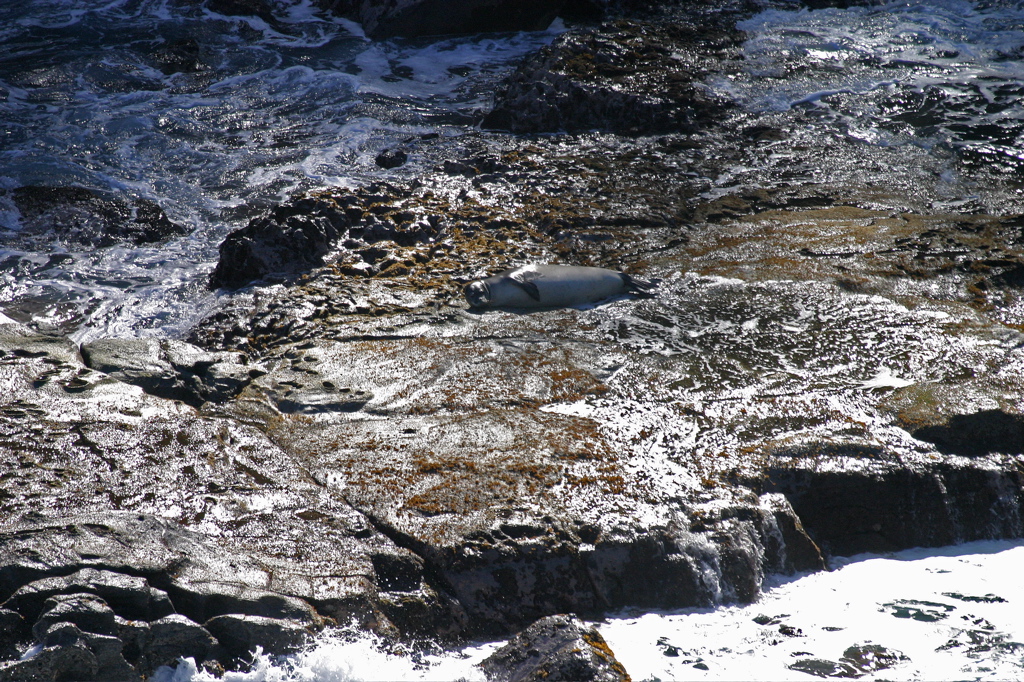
[81, 217]
[557, 648]
[627, 76]
[172, 369]
[833, 364]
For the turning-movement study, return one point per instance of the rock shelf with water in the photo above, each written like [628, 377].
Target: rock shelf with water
[829, 367]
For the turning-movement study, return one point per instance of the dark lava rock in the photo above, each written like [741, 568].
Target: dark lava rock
[75, 662]
[179, 56]
[291, 239]
[820, 667]
[890, 507]
[82, 217]
[12, 627]
[87, 611]
[867, 658]
[195, 573]
[857, 661]
[106, 649]
[239, 634]
[176, 636]
[129, 596]
[977, 434]
[171, 369]
[78, 630]
[412, 18]
[555, 649]
[391, 158]
[295, 237]
[626, 77]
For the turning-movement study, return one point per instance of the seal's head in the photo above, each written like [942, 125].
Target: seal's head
[478, 294]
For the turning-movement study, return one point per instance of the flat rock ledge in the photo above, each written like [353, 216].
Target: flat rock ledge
[82, 601]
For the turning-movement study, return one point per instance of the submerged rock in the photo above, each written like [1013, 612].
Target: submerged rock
[414, 18]
[81, 217]
[626, 77]
[555, 649]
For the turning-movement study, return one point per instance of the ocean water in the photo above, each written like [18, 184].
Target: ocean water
[212, 117]
[954, 613]
[938, 74]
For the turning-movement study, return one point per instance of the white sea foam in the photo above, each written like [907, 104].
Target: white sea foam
[951, 613]
[275, 109]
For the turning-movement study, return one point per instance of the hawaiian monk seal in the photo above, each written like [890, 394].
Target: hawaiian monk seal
[550, 286]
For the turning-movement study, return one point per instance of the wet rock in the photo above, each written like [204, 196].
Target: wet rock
[176, 636]
[300, 386]
[627, 77]
[87, 611]
[171, 369]
[129, 596]
[179, 56]
[977, 434]
[135, 638]
[188, 567]
[82, 217]
[296, 237]
[857, 661]
[240, 635]
[12, 631]
[820, 667]
[106, 649]
[17, 341]
[559, 649]
[868, 658]
[888, 507]
[391, 158]
[398, 572]
[293, 238]
[74, 662]
[412, 18]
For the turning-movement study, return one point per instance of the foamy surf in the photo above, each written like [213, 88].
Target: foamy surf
[949, 613]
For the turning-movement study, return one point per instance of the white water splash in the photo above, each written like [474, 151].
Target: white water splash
[950, 613]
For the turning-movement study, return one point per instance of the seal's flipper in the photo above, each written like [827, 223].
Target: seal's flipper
[639, 286]
[523, 280]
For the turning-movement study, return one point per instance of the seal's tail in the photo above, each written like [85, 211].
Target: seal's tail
[642, 288]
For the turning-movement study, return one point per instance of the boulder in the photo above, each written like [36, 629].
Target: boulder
[555, 649]
[87, 611]
[241, 634]
[176, 636]
[291, 239]
[75, 662]
[106, 649]
[128, 596]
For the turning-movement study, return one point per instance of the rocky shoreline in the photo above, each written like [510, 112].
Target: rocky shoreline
[345, 444]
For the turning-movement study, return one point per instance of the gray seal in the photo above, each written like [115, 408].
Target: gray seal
[551, 286]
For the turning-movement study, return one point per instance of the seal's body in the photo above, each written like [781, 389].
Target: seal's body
[550, 286]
